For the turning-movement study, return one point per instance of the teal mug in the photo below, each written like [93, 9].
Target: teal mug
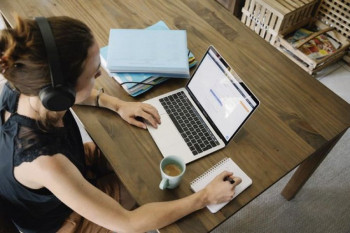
[172, 168]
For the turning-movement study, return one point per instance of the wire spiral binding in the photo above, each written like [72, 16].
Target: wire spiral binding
[213, 168]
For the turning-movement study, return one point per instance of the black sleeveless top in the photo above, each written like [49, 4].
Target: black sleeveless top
[22, 140]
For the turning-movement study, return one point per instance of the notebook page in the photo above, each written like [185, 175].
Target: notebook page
[226, 164]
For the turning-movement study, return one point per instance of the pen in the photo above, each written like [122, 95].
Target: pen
[227, 178]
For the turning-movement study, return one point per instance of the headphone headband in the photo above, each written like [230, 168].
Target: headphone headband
[51, 51]
[57, 96]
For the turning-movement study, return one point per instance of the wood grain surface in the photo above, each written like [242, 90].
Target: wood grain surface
[298, 116]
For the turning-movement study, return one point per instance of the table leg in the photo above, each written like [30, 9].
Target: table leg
[307, 168]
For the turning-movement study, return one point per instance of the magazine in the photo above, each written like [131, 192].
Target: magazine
[317, 47]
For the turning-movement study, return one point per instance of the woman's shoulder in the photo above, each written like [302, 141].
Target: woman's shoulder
[52, 162]
[42, 171]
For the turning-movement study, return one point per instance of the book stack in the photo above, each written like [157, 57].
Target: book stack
[140, 59]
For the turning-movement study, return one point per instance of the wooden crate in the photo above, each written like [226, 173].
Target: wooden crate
[333, 18]
[270, 17]
[310, 65]
[336, 13]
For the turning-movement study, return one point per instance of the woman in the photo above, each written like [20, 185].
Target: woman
[46, 180]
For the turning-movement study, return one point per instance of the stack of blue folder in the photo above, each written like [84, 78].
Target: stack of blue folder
[136, 82]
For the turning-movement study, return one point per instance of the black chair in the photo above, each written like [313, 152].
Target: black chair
[6, 225]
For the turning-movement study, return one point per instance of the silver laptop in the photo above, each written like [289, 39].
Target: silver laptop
[206, 114]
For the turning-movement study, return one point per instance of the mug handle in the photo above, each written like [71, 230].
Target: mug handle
[164, 183]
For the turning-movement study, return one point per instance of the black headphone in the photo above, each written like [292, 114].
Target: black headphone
[57, 96]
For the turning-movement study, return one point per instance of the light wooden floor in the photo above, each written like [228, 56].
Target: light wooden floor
[337, 78]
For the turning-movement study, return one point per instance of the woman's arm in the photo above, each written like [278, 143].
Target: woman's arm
[157, 215]
[64, 180]
[129, 111]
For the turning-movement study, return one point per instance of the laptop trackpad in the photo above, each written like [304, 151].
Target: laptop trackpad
[166, 136]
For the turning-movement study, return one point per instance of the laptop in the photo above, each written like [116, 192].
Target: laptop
[204, 116]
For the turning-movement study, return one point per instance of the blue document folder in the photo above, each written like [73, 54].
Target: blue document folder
[132, 82]
[162, 52]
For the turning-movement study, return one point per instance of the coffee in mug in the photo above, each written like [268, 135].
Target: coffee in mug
[172, 169]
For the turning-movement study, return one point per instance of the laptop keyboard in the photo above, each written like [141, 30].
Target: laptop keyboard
[190, 125]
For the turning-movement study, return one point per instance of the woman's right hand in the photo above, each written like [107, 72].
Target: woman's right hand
[218, 190]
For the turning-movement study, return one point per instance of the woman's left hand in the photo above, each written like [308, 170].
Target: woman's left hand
[129, 111]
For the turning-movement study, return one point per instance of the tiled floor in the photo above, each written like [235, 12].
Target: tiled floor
[337, 78]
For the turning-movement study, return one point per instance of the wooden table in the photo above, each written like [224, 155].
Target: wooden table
[298, 122]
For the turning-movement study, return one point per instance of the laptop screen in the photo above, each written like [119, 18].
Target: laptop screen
[221, 95]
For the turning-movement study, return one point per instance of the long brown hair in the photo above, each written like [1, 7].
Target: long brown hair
[23, 60]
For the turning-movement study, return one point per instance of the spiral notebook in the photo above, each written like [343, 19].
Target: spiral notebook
[226, 164]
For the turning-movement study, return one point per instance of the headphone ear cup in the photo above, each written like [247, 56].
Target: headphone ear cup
[57, 98]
